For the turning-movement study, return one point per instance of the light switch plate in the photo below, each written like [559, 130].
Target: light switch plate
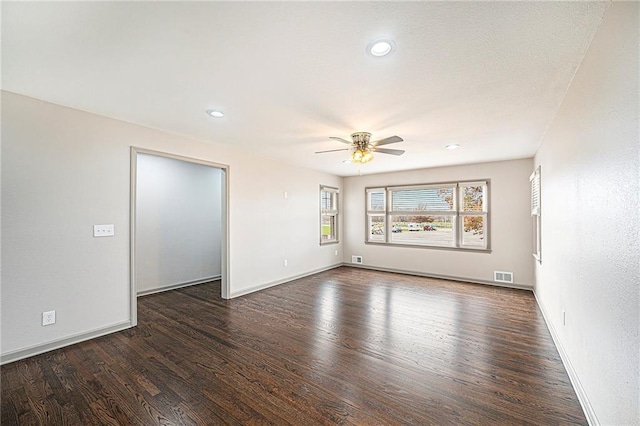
[103, 230]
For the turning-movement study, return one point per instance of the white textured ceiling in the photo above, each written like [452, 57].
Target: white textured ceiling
[487, 75]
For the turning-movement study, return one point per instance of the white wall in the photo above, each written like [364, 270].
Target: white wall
[590, 268]
[510, 222]
[178, 220]
[64, 170]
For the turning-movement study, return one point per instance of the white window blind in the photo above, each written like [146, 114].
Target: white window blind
[535, 192]
[422, 200]
[376, 200]
[536, 214]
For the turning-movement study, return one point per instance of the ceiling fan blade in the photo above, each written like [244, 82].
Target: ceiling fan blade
[333, 150]
[388, 151]
[341, 140]
[387, 141]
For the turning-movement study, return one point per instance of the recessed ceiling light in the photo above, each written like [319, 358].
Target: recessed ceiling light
[453, 146]
[381, 47]
[214, 113]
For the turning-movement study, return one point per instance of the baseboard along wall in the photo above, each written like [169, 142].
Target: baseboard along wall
[573, 376]
[178, 285]
[60, 343]
[442, 277]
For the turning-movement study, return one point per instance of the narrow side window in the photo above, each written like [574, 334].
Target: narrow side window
[328, 215]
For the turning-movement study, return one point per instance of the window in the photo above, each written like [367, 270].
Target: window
[376, 207]
[536, 214]
[328, 215]
[452, 215]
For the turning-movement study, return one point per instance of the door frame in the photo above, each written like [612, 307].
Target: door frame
[224, 231]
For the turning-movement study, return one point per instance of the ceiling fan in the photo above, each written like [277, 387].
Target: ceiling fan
[363, 148]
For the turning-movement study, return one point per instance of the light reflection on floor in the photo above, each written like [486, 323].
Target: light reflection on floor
[417, 324]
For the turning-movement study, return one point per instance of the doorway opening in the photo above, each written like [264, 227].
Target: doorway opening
[178, 223]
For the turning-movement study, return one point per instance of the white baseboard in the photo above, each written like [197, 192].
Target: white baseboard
[282, 281]
[443, 277]
[59, 343]
[178, 285]
[573, 376]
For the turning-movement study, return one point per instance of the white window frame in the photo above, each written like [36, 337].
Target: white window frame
[371, 213]
[456, 214]
[484, 213]
[536, 214]
[332, 212]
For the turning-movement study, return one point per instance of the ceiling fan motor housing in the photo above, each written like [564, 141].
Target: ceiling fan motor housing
[361, 139]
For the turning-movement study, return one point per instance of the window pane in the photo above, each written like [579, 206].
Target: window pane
[472, 198]
[328, 227]
[433, 199]
[328, 200]
[376, 201]
[422, 230]
[473, 231]
[376, 228]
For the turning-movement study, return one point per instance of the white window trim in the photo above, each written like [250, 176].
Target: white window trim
[456, 215]
[536, 214]
[330, 212]
[484, 213]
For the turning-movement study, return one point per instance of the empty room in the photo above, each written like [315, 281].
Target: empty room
[302, 213]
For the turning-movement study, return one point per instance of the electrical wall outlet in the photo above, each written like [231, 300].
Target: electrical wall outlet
[335, 253]
[285, 262]
[48, 317]
[103, 230]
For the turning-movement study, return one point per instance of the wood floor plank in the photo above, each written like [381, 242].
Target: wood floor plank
[346, 346]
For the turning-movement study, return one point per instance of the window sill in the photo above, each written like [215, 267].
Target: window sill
[460, 249]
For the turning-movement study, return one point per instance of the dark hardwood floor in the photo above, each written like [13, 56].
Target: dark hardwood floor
[347, 346]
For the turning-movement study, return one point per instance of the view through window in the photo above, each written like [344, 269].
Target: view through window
[328, 215]
[452, 215]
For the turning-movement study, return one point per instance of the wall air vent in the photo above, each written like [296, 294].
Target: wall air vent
[503, 277]
[356, 259]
